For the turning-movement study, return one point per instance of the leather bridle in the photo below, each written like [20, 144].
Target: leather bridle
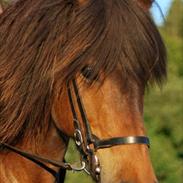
[87, 143]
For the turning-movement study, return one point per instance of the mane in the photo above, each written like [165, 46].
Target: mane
[45, 43]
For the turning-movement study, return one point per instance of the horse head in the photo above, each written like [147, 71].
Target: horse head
[111, 86]
[82, 66]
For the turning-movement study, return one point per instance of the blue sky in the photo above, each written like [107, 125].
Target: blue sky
[165, 5]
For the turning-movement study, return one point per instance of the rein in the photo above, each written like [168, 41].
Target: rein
[87, 144]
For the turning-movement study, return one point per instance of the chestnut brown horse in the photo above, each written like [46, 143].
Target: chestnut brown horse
[77, 69]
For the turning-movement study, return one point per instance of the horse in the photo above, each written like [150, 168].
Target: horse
[77, 69]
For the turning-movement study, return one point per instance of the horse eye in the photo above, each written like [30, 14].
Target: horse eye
[87, 72]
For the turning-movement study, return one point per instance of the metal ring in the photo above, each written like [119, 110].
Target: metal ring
[87, 171]
[78, 137]
[78, 169]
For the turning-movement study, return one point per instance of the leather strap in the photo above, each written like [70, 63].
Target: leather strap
[107, 143]
[39, 161]
[89, 137]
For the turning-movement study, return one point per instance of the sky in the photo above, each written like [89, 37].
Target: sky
[165, 5]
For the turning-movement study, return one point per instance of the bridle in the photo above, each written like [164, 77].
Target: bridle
[87, 143]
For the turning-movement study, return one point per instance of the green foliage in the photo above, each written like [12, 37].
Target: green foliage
[174, 19]
[164, 108]
[163, 116]
[75, 177]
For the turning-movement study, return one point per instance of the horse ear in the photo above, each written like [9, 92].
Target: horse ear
[1, 9]
[145, 4]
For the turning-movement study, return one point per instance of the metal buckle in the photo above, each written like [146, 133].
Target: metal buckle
[95, 162]
[78, 137]
[93, 167]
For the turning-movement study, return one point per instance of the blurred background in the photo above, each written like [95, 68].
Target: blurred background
[163, 107]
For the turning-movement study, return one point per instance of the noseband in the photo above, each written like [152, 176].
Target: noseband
[87, 143]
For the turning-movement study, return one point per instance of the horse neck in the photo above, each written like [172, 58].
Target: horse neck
[14, 168]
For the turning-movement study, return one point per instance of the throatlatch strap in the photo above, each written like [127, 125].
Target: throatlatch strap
[106, 143]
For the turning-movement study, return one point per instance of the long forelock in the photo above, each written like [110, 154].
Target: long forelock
[111, 35]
